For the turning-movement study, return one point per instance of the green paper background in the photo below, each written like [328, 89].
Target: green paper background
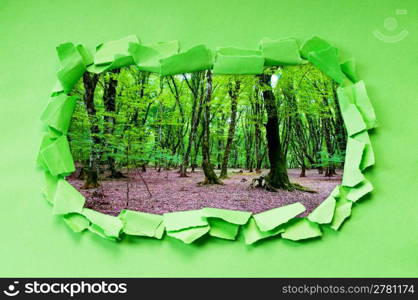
[381, 237]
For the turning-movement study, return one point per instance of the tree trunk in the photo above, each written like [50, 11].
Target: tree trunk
[330, 169]
[303, 171]
[92, 178]
[210, 176]
[109, 101]
[258, 116]
[277, 178]
[195, 87]
[233, 93]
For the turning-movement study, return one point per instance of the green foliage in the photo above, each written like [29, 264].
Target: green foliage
[150, 122]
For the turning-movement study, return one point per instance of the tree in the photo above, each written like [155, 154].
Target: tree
[277, 177]
[92, 177]
[197, 89]
[233, 91]
[109, 101]
[210, 176]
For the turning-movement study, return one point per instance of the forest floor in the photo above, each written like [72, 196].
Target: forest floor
[173, 193]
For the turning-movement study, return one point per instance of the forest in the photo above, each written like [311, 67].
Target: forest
[249, 142]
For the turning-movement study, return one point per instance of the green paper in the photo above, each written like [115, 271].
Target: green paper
[57, 89]
[314, 44]
[76, 222]
[108, 52]
[253, 234]
[301, 230]
[363, 104]
[228, 215]
[342, 212]
[223, 229]
[183, 219]
[327, 61]
[359, 191]
[368, 154]
[272, 218]
[142, 224]
[379, 237]
[280, 52]
[113, 54]
[67, 199]
[51, 183]
[103, 225]
[238, 61]
[57, 157]
[352, 174]
[336, 192]
[195, 59]
[353, 120]
[324, 212]
[349, 69]
[72, 66]
[189, 235]
[59, 112]
[47, 140]
[85, 55]
[147, 57]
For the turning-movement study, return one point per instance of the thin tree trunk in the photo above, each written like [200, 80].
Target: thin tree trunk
[210, 176]
[233, 93]
[109, 101]
[196, 88]
[92, 177]
[303, 171]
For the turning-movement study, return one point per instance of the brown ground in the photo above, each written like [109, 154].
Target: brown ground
[172, 193]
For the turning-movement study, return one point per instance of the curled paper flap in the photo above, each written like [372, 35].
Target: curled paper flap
[46, 141]
[76, 222]
[324, 212]
[228, 215]
[51, 183]
[67, 199]
[272, 218]
[352, 118]
[342, 212]
[57, 89]
[280, 52]
[349, 69]
[222, 229]
[189, 235]
[352, 174]
[86, 55]
[327, 61]
[112, 55]
[238, 61]
[59, 111]
[336, 192]
[103, 225]
[72, 66]
[142, 224]
[198, 58]
[368, 154]
[184, 219]
[253, 234]
[359, 191]
[314, 44]
[301, 230]
[57, 157]
[109, 52]
[147, 57]
[363, 104]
